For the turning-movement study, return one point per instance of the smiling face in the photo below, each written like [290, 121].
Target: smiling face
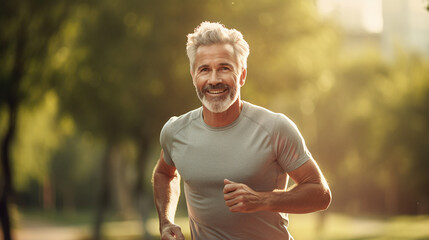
[217, 77]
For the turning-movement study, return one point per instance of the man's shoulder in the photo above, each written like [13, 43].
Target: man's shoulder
[260, 114]
[176, 123]
[266, 118]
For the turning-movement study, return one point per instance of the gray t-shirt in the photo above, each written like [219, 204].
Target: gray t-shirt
[257, 149]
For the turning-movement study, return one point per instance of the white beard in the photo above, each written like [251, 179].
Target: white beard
[218, 104]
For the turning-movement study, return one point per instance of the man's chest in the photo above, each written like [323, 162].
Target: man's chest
[206, 159]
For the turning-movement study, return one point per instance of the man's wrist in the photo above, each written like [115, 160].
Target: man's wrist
[164, 222]
[266, 201]
[270, 200]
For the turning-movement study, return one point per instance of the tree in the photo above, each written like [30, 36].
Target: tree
[27, 29]
[372, 120]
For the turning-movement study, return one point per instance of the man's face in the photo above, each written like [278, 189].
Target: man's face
[217, 76]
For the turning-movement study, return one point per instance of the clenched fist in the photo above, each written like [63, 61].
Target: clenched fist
[171, 232]
[241, 198]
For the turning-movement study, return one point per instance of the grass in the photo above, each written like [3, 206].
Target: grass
[330, 226]
[338, 226]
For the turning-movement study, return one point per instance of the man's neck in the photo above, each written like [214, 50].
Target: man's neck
[224, 118]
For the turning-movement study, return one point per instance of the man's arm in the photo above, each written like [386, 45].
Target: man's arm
[166, 188]
[310, 193]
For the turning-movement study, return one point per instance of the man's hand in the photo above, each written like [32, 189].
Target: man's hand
[171, 232]
[241, 198]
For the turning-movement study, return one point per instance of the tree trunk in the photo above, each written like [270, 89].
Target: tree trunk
[392, 193]
[142, 200]
[4, 215]
[103, 198]
[12, 104]
[7, 192]
[49, 202]
[122, 196]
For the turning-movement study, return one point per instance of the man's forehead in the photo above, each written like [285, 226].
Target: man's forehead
[222, 52]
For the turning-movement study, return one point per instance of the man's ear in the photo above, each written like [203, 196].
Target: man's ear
[243, 77]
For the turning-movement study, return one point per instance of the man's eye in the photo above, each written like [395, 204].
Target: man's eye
[204, 70]
[225, 69]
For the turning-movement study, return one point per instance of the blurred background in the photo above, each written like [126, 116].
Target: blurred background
[86, 86]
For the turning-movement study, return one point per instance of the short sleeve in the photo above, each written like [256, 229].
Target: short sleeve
[166, 141]
[289, 145]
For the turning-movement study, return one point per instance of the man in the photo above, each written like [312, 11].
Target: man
[234, 157]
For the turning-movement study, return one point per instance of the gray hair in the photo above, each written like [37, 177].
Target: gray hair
[208, 33]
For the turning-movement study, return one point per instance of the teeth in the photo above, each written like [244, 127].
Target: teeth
[214, 91]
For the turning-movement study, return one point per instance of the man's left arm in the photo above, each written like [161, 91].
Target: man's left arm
[309, 194]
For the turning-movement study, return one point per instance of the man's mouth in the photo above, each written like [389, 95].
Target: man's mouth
[217, 91]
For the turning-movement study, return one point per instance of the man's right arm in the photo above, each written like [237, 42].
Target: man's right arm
[166, 188]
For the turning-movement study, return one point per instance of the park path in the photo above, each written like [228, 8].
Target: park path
[39, 230]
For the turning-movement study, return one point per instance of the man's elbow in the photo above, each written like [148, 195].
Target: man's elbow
[326, 198]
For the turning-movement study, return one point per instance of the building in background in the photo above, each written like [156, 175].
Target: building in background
[386, 24]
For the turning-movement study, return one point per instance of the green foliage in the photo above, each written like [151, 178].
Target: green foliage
[73, 166]
[27, 28]
[36, 140]
[376, 128]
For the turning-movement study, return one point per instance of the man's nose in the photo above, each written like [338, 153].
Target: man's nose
[214, 78]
